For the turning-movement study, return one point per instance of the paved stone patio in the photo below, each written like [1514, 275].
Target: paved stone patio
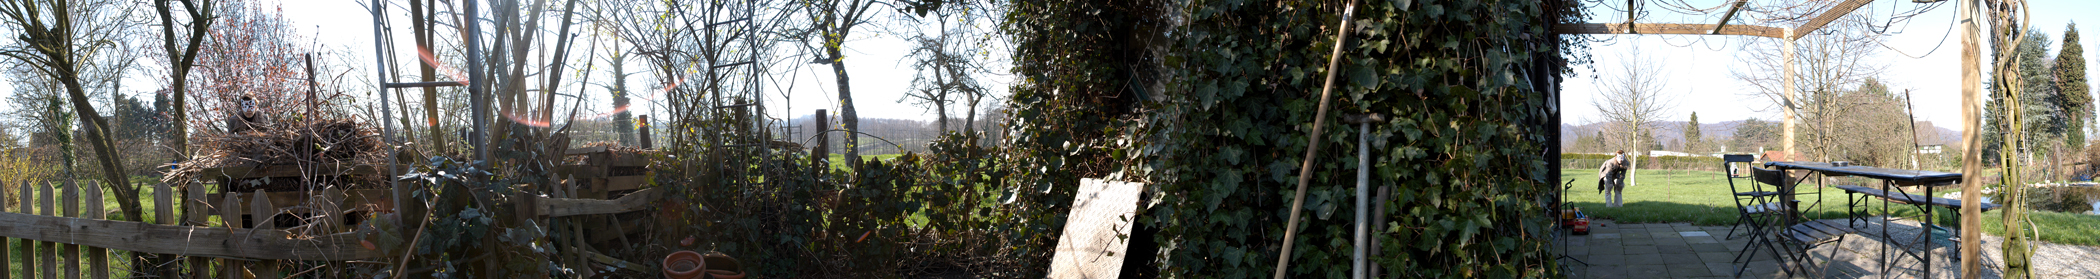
[1672, 250]
[1681, 250]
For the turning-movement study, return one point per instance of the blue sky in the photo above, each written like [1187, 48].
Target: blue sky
[1700, 65]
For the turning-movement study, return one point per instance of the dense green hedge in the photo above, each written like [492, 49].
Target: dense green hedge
[1464, 148]
[1591, 161]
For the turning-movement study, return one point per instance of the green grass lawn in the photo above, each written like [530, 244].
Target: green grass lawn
[1701, 197]
[838, 161]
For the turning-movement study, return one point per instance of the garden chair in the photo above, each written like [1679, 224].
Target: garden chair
[1748, 202]
[1803, 234]
[1757, 209]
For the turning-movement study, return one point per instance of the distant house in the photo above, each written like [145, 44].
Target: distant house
[1669, 153]
[1931, 148]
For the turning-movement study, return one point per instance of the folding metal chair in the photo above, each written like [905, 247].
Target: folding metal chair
[1759, 210]
[1737, 166]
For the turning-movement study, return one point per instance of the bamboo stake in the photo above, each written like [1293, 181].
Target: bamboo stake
[1334, 63]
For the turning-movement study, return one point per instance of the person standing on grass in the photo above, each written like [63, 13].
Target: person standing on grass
[1612, 177]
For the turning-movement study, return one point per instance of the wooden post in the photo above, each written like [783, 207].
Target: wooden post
[48, 253]
[331, 204]
[822, 153]
[264, 213]
[29, 251]
[230, 214]
[200, 268]
[69, 206]
[1789, 109]
[1972, 141]
[98, 258]
[642, 129]
[6, 247]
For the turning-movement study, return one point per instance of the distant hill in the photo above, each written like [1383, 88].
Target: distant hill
[1668, 131]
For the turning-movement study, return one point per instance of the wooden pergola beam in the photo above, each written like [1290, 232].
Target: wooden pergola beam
[1671, 28]
[1727, 16]
[1828, 16]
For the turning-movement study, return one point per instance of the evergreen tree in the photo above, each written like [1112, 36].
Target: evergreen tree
[2071, 84]
[1691, 135]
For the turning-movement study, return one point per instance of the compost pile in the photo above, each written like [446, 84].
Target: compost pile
[320, 143]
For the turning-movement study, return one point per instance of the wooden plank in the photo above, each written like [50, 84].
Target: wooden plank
[380, 199]
[29, 251]
[284, 171]
[1669, 28]
[98, 258]
[229, 214]
[6, 246]
[1832, 14]
[47, 251]
[264, 216]
[558, 207]
[70, 252]
[331, 204]
[195, 206]
[186, 240]
[1728, 16]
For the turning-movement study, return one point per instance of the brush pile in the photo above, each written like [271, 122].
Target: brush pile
[312, 144]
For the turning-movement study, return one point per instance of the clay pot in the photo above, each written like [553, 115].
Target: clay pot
[684, 265]
[721, 266]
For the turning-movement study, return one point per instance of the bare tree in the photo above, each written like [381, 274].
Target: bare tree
[182, 55]
[1827, 64]
[831, 22]
[1633, 99]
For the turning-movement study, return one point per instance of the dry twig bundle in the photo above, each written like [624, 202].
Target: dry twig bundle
[310, 144]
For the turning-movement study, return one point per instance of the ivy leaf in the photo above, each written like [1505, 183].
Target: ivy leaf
[1365, 75]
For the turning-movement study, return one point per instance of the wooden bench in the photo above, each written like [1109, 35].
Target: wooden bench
[1907, 198]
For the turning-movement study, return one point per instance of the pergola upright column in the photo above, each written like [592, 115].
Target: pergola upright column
[1790, 108]
[1972, 140]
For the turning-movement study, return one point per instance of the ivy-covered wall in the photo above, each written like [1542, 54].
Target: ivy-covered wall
[1211, 103]
[1463, 145]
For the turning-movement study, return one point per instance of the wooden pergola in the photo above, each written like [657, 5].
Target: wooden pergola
[1971, 82]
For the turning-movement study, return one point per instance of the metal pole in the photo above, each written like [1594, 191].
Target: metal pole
[1363, 195]
[379, 48]
[1334, 63]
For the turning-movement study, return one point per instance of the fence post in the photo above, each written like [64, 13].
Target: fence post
[47, 252]
[230, 214]
[6, 247]
[98, 258]
[264, 215]
[198, 213]
[70, 208]
[29, 251]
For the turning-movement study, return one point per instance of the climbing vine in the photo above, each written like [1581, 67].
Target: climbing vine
[1463, 147]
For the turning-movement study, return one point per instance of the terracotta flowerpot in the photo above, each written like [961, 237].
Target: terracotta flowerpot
[684, 265]
[721, 266]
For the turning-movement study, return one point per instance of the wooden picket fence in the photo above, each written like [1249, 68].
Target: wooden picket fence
[69, 227]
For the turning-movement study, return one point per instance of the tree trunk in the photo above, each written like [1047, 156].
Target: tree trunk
[421, 17]
[847, 116]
